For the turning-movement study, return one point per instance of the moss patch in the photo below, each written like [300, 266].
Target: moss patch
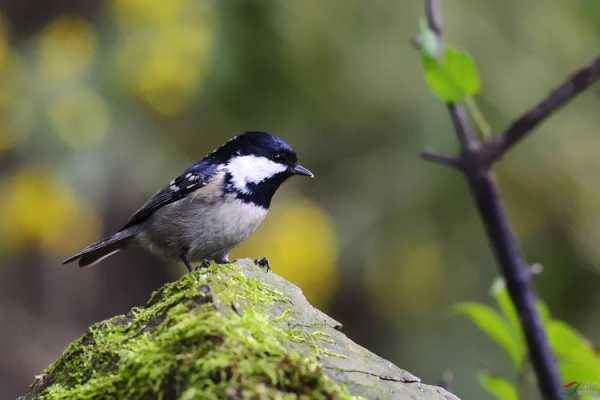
[206, 336]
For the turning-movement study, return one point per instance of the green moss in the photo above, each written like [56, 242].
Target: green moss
[205, 336]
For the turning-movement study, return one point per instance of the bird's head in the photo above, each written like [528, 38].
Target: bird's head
[256, 163]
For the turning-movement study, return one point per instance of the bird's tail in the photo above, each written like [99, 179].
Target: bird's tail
[98, 251]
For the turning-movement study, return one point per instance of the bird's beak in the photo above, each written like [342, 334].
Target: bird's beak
[300, 170]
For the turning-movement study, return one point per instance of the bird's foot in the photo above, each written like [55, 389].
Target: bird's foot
[263, 263]
[222, 258]
[203, 264]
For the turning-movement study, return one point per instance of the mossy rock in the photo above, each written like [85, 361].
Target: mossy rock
[232, 331]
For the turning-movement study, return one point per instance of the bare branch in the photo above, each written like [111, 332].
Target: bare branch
[525, 124]
[475, 161]
[462, 126]
[433, 11]
[448, 161]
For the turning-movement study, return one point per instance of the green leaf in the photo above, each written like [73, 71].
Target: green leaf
[496, 327]
[585, 370]
[576, 356]
[577, 359]
[500, 294]
[500, 388]
[451, 77]
[544, 312]
[566, 340]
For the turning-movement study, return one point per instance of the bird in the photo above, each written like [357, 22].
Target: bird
[216, 203]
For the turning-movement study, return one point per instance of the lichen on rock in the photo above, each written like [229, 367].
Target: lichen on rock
[226, 331]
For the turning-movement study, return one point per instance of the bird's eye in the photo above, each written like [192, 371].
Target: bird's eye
[277, 156]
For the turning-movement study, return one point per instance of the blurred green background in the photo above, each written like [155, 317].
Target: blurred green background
[103, 102]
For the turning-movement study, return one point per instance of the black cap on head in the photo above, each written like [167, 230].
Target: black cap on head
[259, 144]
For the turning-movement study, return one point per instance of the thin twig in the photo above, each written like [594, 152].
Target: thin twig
[462, 126]
[442, 159]
[525, 124]
[475, 164]
[433, 11]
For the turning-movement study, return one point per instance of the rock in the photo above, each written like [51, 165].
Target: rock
[232, 331]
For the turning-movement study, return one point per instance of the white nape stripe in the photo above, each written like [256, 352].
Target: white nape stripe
[252, 169]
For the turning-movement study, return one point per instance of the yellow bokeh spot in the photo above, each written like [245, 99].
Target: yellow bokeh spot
[36, 209]
[165, 84]
[407, 280]
[300, 242]
[148, 11]
[80, 117]
[67, 47]
[164, 51]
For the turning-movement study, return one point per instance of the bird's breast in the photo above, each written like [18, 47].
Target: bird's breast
[221, 226]
[236, 218]
[223, 213]
[204, 223]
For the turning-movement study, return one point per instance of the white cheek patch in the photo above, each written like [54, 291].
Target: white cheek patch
[252, 169]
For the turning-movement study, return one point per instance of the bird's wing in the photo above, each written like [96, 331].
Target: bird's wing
[190, 180]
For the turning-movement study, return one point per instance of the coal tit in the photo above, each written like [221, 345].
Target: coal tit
[211, 207]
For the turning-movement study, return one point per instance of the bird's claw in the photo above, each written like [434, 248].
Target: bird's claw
[263, 263]
[203, 264]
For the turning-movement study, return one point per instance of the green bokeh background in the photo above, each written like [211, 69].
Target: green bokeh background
[103, 102]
